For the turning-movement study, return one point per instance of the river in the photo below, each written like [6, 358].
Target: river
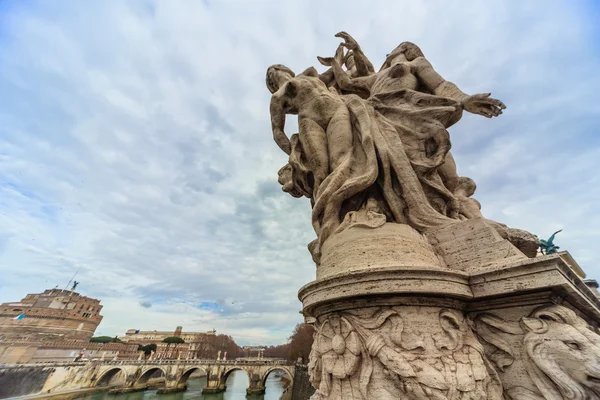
[236, 390]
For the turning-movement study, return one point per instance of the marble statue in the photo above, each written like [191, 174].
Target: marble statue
[377, 138]
[405, 259]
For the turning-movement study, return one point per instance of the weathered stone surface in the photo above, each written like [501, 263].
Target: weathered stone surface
[400, 352]
[360, 248]
[374, 142]
[409, 271]
[130, 376]
[472, 245]
[548, 353]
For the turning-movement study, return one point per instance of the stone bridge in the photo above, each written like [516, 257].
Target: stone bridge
[126, 376]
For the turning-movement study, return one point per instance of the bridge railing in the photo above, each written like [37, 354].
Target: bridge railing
[196, 361]
[148, 362]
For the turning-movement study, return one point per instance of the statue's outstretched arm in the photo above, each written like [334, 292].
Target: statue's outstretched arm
[434, 81]
[278, 124]
[364, 67]
[328, 77]
[360, 86]
[481, 104]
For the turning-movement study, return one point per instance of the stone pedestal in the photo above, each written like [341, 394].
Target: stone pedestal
[538, 323]
[400, 315]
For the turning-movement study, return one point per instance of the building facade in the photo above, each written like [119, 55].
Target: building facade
[196, 344]
[52, 326]
[147, 337]
[50, 316]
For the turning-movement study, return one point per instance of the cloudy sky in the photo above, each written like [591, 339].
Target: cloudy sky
[135, 143]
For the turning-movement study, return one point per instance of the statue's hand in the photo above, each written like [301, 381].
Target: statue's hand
[483, 104]
[349, 41]
[326, 61]
[339, 56]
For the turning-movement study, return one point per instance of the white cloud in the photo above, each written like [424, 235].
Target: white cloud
[135, 144]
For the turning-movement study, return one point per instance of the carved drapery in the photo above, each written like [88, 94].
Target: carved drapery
[397, 226]
[381, 354]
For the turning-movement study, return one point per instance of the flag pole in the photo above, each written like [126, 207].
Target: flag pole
[70, 280]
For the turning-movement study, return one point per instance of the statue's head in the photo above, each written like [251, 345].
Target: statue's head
[406, 50]
[277, 75]
[567, 352]
[466, 186]
[286, 180]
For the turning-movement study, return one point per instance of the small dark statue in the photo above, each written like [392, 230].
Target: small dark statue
[548, 246]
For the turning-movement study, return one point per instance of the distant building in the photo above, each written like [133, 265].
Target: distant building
[64, 350]
[147, 337]
[53, 315]
[55, 326]
[253, 352]
[195, 342]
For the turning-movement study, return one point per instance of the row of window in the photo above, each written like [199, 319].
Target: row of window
[85, 315]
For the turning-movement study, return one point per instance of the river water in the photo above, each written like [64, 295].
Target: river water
[236, 390]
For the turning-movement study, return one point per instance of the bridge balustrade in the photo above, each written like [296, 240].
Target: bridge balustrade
[149, 362]
[178, 371]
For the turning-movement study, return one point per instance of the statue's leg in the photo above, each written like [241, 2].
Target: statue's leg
[339, 137]
[448, 172]
[314, 143]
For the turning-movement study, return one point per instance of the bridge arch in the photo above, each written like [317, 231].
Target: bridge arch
[114, 375]
[277, 368]
[186, 375]
[228, 372]
[147, 374]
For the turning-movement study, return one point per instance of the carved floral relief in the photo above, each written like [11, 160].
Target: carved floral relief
[381, 356]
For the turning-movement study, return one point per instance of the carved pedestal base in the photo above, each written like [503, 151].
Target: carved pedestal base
[400, 352]
[398, 316]
[538, 323]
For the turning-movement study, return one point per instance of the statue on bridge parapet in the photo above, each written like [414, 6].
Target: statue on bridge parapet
[401, 244]
[393, 163]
